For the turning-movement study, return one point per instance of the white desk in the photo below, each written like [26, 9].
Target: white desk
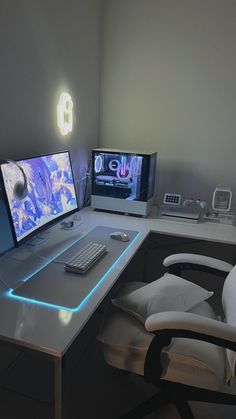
[52, 331]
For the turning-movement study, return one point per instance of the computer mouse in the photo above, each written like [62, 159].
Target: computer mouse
[120, 235]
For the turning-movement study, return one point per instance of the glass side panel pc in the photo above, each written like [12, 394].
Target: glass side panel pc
[50, 196]
[123, 181]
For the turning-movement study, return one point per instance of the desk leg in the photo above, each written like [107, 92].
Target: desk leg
[58, 388]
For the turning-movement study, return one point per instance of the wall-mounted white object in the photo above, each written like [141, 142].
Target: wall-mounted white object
[222, 198]
[65, 114]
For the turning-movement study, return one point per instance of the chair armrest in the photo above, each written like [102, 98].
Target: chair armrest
[171, 324]
[194, 326]
[180, 261]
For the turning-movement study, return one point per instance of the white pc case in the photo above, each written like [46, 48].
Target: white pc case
[123, 181]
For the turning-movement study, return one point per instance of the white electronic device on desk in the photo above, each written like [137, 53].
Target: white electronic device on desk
[222, 197]
[221, 205]
[189, 211]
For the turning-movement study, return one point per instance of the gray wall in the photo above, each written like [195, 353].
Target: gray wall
[168, 84]
[47, 46]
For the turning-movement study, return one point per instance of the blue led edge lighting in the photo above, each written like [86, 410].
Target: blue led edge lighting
[85, 300]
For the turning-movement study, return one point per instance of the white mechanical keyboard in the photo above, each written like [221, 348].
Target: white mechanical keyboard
[82, 261]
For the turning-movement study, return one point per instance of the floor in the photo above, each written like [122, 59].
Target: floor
[121, 391]
[94, 391]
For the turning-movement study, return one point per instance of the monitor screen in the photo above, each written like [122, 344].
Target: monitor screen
[50, 192]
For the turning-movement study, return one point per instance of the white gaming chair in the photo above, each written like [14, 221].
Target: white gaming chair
[182, 350]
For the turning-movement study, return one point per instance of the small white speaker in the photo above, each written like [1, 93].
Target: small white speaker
[222, 198]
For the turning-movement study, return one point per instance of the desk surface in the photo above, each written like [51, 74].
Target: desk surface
[53, 330]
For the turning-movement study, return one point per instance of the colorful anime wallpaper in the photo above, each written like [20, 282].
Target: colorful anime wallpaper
[117, 175]
[51, 191]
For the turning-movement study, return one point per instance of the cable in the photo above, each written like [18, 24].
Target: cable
[61, 262]
[4, 283]
[43, 257]
[34, 243]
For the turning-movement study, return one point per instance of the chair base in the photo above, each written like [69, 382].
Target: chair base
[179, 395]
[155, 403]
[148, 406]
[183, 409]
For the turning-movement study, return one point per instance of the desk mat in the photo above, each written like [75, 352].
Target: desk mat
[54, 286]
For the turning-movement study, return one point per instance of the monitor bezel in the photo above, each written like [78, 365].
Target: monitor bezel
[44, 227]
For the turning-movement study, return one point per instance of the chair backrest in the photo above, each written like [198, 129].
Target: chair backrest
[229, 307]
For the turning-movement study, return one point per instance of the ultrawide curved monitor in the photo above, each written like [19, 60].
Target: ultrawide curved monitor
[50, 196]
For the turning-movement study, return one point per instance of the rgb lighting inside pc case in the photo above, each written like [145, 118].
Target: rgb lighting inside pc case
[122, 180]
[118, 175]
[50, 193]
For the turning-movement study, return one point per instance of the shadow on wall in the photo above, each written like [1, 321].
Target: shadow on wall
[81, 160]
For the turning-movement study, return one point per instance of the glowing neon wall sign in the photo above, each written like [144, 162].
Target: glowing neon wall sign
[65, 114]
